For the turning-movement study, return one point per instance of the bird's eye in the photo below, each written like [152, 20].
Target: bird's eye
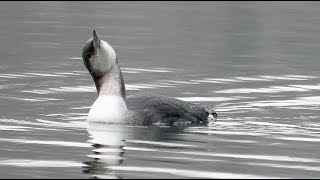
[89, 56]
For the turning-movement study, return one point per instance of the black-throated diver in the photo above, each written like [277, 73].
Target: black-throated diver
[113, 106]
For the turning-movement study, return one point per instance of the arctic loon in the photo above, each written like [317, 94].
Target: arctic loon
[112, 104]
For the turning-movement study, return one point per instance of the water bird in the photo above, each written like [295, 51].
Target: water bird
[112, 104]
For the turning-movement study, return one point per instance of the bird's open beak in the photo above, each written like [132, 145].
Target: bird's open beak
[96, 40]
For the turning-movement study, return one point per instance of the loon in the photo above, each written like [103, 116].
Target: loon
[112, 104]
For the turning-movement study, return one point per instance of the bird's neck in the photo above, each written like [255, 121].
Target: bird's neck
[111, 83]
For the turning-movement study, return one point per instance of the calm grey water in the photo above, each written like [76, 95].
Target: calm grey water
[255, 63]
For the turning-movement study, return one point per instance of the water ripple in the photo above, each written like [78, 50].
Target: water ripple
[185, 172]
[40, 163]
[47, 142]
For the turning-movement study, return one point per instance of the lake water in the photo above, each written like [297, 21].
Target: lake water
[256, 63]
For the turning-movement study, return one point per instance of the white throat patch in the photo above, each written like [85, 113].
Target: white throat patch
[105, 58]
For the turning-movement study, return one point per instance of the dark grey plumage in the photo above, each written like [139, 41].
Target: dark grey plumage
[153, 109]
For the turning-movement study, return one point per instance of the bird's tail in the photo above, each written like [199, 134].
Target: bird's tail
[212, 115]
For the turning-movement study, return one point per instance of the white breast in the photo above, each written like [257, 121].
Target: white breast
[109, 109]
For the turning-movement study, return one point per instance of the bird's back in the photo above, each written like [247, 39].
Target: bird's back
[148, 109]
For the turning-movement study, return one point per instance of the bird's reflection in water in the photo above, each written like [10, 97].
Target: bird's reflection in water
[109, 142]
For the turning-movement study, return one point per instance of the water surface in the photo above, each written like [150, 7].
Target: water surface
[256, 64]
